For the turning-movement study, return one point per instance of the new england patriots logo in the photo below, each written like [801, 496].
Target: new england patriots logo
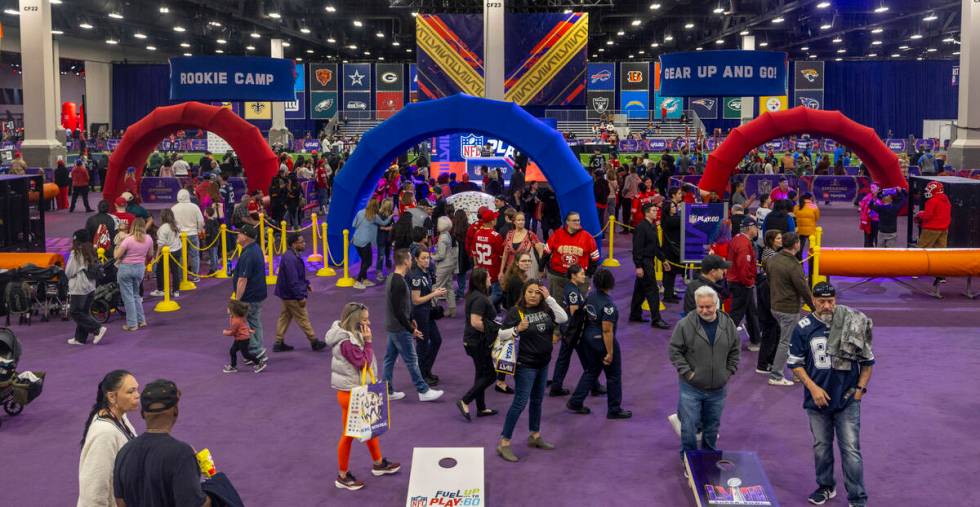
[810, 102]
[705, 103]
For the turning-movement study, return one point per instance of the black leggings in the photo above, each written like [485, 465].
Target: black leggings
[365, 253]
[483, 377]
[241, 346]
[80, 309]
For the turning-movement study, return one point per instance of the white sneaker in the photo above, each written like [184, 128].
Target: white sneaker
[176, 294]
[368, 283]
[99, 335]
[763, 372]
[397, 395]
[157, 293]
[675, 423]
[359, 285]
[753, 347]
[430, 395]
[73, 341]
[780, 382]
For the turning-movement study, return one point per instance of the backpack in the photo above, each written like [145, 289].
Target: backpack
[102, 240]
[16, 298]
[575, 327]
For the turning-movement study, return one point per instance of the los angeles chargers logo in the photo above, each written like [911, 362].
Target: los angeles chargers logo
[810, 75]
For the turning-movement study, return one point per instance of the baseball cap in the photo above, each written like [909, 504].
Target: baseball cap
[824, 290]
[486, 215]
[159, 395]
[500, 197]
[748, 221]
[712, 261]
[126, 195]
[81, 236]
[120, 201]
[249, 231]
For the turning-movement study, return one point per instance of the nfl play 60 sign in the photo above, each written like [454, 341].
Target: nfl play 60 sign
[446, 477]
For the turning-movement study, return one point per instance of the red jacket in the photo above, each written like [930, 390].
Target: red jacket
[486, 248]
[936, 214]
[567, 249]
[79, 176]
[741, 254]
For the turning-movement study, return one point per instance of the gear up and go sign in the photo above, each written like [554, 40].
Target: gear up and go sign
[232, 78]
[723, 73]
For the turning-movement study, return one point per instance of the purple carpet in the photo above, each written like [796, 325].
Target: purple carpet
[275, 433]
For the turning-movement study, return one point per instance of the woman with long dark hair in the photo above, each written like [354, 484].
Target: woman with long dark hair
[460, 225]
[534, 319]
[479, 331]
[168, 234]
[512, 282]
[107, 429]
[81, 288]
[401, 232]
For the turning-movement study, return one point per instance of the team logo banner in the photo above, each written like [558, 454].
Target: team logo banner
[705, 107]
[323, 105]
[635, 103]
[390, 77]
[725, 72]
[809, 75]
[701, 226]
[357, 101]
[449, 55]
[357, 77]
[389, 103]
[323, 77]
[772, 103]
[601, 76]
[231, 78]
[258, 110]
[634, 76]
[599, 103]
[296, 109]
[812, 99]
[667, 107]
[413, 83]
[732, 108]
[545, 58]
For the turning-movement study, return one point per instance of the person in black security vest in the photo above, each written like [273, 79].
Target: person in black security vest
[574, 300]
[646, 248]
[601, 350]
[420, 284]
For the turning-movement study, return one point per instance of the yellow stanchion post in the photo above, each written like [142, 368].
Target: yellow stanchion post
[262, 232]
[282, 236]
[185, 284]
[815, 245]
[223, 272]
[346, 280]
[658, 272]
[167, 305]
[315, 257]
[610, 262]
[326, 270]
[270, 279]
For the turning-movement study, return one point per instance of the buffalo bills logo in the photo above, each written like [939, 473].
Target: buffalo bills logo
[323, 76]
[601, 76]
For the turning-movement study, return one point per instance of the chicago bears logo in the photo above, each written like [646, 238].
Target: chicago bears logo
[809, 102]
[810, 75]
[705, 103]
[601, 76]
[323, 76]
[634, 76]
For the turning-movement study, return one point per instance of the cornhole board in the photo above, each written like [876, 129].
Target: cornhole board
[446, 477]
[728, 478]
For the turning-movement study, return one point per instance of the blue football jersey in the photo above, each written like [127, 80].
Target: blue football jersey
[808, 349]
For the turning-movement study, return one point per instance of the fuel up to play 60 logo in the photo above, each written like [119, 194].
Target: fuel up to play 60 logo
[458, 498]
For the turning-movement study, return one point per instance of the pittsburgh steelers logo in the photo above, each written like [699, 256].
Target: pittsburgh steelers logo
[773, 104]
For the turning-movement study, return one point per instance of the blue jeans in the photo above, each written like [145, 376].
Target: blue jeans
[403, 344]
[129, 277]
[699, 409]
[321, 196]
[847, 424]
[496, 293]
[461, 282]
[193, 256]
[529, 384]
[254, 319]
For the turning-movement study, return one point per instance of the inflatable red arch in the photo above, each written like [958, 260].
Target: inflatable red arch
[142, 137]
[882, 163]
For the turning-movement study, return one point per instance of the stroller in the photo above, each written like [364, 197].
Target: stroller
[17, 390]
[33, 290]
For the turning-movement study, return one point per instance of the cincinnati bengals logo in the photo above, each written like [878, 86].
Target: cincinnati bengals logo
[634, 76]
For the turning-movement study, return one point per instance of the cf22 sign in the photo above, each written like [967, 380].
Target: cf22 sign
[728, 72]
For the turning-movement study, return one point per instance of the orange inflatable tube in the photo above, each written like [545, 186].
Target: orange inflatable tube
[875, 262]
[40, 259]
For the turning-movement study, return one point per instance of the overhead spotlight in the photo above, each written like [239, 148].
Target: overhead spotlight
[743, 33]
[380, 35]
[139, 35]
[55, 2]
[837, 40]
[916, 36]
[602, 50]
[216, 24]
[381, 58]
[956, 53]
[931, 50]
[903, 47]
[415, 14]
[918, 58]
[699, 48]
[187, 54]
[566, 11]
[609, 42]
[298, 59]
[57, 32]
[115, 15]
[222, 41]
[184, 45]
[275, 15]
[111, 42]
[330, 8]
[718, 10]
[358, 23]
[763, 44]
[931, 17]
[396, 43]
[872, 55]
[219, 51]
[178, 28]
[331, 40]
[877, 30]
[352, 46]
[778, 20]
[688, 26]
[838, 59]
[826, 26]
[895, 55]
[85, 26]
[636, 22]
[805, 48]
[255, 35]
[367, 53]
[668, 38]
[841, 50]
[620, 33]
[304, 30]
[881, 8]
[164, 9]
[642, 52]
[632, 56]
[813, 56]
[823, 5]
[285, 44]
[949, 40]
[310, 51]
[720, 41]
[250, 48]
[654, 6]
[655, 44]
[151, 48]
[876, 43]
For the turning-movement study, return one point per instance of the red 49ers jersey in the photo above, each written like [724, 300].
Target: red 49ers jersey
[567, 249]
[487, 251]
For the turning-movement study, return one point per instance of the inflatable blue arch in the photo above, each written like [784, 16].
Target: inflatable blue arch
[506, 121]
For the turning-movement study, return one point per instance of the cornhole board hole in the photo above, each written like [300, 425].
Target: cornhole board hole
[446, 476]
[728, 478]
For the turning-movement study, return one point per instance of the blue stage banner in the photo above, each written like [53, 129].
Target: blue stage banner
[601, 76]
[701, 225]
[726, 72]
[232, 78]
[896, 145]
[705, 107]
[834, 188]
[545, 58]
[636, 104]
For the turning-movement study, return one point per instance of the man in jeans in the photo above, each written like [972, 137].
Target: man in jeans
[704, 349]
[836, 380]
[402, 330]
[787, 292]
[741, 280]
[250, 288]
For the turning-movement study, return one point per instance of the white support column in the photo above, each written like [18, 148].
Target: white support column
[493, 49]
[964, 153]
[40, 146]
[98, 93]
[278, 134]
[748, 103]
[59, 132]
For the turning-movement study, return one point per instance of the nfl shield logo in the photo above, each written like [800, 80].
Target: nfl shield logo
[470, 145]
[418, 501]
[323, 76]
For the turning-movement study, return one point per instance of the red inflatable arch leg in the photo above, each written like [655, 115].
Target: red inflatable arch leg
[141, 138]
[882, 163]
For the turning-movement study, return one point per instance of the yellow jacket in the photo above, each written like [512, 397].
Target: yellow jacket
[806, 219]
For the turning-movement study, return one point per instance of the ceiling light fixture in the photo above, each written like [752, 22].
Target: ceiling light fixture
[380, 35]
[255, 35]
[931, 17]
[931, 50]
[85, 26]
[837, 40]
[805, 48]
[299, 59]
[778, 20]
[699, 48]
[763, 44]
[636, 22]
[878, 30]
[330, 8]
[881, 8]
[184, 45]
[813, 56]
[57, 32]
[164, 9]
[111, 42]
[139, 35]
[115, 15]
[826, 26]
[841, 50]
[956, 53]
[838, 59]
[367, 53]
[55, 2]
[668, 38]
[632, 56]
[918, 58]
[876, 43]
[642, 52]
[219, 51]
[286, 44]
[609, 42]
[310, 51]
[743, 33]
[275, 15]
[250, 48]
[823, 5]
[381, 58]
[415, 14]
[151, 48]
[949, 40]
[654, 6]
[214, 24]
[396, 43]
[655, 44]
[358, 23]
[720, 41]
[187, 54]
[221, 41]
[602, 50]
[916, 36]
[179, 28]
[352, 46]
[566, 11]
[304, 30]
[903, 47]
[718, 10]
[872, 55]
[620, 33]
[689, 26]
